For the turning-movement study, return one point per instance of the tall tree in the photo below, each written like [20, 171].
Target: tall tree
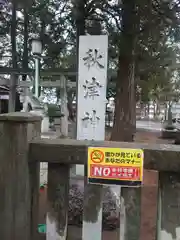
[123, 129]
[12, 89]
[26, 38]
[146, 27]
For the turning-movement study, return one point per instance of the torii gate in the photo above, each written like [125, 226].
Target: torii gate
[63, 83]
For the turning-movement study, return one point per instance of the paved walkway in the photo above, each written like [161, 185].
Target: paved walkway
[147, 124]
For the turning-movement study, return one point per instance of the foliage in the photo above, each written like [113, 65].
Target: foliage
[53, 111]
[157, 29]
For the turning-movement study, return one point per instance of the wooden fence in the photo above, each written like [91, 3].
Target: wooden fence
[21, 152]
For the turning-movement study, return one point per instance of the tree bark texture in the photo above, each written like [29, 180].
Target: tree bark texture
[125, 104]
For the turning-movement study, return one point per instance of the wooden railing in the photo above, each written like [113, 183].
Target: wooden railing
[21, 152]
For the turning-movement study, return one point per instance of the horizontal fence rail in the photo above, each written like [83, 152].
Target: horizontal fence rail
[160, 157]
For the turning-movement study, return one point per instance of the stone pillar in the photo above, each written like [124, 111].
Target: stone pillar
[16, 199]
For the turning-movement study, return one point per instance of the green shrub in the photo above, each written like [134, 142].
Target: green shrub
[54, 110]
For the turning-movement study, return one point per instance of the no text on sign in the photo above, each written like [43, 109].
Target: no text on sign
[117, 166]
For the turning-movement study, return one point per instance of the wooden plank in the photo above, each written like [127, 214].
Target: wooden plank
[160, 157]
[15, 207]
[131, 203]
[58, 191]
[169, 214]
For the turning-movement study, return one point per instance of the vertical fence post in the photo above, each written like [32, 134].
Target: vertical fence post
[169, 210]
[132, 206]
[64, 110]
[16, 129]
[149, 205]
[58, 196]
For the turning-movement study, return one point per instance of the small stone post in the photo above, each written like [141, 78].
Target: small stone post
[64, 110]
[16, 191]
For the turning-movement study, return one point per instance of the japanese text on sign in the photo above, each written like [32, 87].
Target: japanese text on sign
[115, 166]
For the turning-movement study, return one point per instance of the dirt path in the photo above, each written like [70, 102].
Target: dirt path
[151, 137]
[144, 136]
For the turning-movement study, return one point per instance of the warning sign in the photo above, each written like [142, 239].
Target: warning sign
[97, 156]
[118, 166]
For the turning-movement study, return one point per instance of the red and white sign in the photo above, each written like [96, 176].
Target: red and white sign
[115, 172]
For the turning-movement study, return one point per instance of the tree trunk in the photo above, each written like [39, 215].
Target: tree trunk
[166, 111]
[25, 50]
[80, 30]
[13, 80]
[80, 24]
[148, 109]
[170, 113]
[158, 108]
[154, 108]
[80, 17]
[13, 35]
[124, 119]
